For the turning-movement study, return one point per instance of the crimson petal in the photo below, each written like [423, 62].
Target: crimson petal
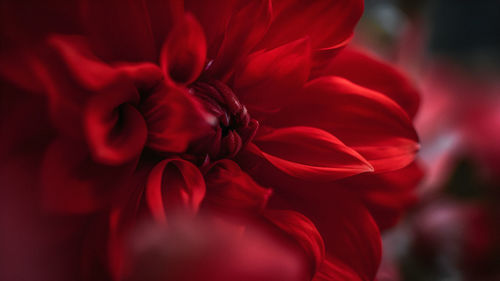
[309, 153]
[183, 54]
[303, 231]
[174, 185]
[266, 78]
[329, 24]
[375, 74]
[244, 31]
[232, 190]
[365, 120]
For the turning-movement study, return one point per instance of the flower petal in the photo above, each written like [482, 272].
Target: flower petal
[266, 78]
[231, 190]
[244, 31]
[351, 235]
[73, 183]
[334, 270]
[329, 24]
[365, 70]
[309, 153]
[174, 185]
[303, 231]
[128, 30]
[183, 54]
[365, 120]
[387, 195]
[174, 118]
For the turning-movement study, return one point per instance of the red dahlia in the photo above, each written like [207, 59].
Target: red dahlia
[200, 140]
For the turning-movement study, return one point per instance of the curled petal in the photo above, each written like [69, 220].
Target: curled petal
[303, 231]
[183, 54]
[266, 78]
[231, 189]
[368, 121]
[174, 185]
[309, 153]
[331, 208]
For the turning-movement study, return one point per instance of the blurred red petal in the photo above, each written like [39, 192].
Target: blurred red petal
[174, 118]
[73, 183]
[387, 195]
[303, 231]
[174, 185]
[128, 30]
[334, 270]
[183, 54]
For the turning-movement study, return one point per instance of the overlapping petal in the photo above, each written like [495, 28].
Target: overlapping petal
[303, 231]
[173, 186]
[245, 29]
[369, 72]
[129, 30]
[331, 208]
[387, 195]
[267, 78]
[308, 153]
[365, 120]
[328, 23]
[184, 52]
[231, 190]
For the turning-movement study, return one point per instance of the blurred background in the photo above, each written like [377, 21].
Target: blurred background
[451, 50]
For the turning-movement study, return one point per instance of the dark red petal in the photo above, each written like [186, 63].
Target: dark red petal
[174, 118]
[73, 183]
[365, 120]
[129, 30]
[244, 31]
[266, 78]
[347, 227]
[183, 54]
[387, 195]
[375, 74]
[119, 30]
[231, 190]
[329, 24]
[334, 270]
[309, 153]
[88, 99]
[303, 231]
[174, 185]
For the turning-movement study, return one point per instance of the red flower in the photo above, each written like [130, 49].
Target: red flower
[237, 110]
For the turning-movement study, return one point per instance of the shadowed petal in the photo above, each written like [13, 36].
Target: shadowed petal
[174, 185]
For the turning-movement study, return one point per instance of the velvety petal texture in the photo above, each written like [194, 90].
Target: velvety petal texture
[365, 120]
[309, 153]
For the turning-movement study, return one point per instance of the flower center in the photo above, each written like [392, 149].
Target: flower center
[235, 126]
